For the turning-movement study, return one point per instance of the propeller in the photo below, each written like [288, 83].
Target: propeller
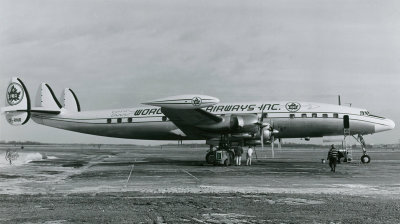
[261, 126]
[270, 127]
[273, 131]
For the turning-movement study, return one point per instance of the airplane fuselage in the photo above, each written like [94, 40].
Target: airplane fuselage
[291, 119]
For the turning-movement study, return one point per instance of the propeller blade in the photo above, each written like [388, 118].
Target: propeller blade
[272, 146]
[262, 138]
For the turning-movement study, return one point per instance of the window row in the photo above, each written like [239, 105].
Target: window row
[129, 120]
[315, 115]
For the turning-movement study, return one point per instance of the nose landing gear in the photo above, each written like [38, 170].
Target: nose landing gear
[365, 158]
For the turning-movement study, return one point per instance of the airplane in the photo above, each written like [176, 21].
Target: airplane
[195, 117]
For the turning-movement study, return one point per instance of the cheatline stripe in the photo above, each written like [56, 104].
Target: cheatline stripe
[77, 120]
[133, 122]
[170, 103]
[44, 116]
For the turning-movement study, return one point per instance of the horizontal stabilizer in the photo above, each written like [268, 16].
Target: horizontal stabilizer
[44, 110]
[33, 110]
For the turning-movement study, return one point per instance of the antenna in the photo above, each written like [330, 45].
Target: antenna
[339, 100]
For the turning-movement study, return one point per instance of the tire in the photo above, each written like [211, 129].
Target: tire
[227, 162]
[365, 159]
[210, 158]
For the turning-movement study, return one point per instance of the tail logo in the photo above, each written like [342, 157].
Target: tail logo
[15, 94]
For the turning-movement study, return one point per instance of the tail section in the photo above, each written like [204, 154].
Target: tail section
[70, 101]
[18, 108]
[18, 104]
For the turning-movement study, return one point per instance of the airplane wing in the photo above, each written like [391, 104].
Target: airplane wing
[186, 113]
[188, 119]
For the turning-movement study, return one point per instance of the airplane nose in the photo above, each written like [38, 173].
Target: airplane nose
[386, 125]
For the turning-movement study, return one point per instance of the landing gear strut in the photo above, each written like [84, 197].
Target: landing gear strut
[365, 158]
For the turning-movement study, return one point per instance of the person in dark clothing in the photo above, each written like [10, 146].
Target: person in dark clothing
[333, 157]
[238, 155]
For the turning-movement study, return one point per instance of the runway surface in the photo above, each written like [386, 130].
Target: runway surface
[74, 184]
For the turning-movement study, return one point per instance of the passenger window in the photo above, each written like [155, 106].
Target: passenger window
[304, 115]
[164, 118]
[335, 115]
[119, 120]
[109, 121]
[291, 116]
[325, 115]
[130, 120]
[265, 115]
[314, 115]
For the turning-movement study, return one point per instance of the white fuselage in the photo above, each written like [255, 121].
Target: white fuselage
[291, 119]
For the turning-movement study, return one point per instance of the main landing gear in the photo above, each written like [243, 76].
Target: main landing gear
[365, 158]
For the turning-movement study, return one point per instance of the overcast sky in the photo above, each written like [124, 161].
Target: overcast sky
[117, 54]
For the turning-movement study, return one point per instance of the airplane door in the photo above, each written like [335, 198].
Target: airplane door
[346, 122]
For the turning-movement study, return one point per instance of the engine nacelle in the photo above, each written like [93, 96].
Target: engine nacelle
[233, 123]
[229, 123]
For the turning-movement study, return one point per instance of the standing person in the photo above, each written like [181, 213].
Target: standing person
[238, 155]
[332, 157]
[249, 154]
[237, 152]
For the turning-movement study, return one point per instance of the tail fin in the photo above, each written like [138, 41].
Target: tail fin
[18, 103]
[70, 101]
[46, 100]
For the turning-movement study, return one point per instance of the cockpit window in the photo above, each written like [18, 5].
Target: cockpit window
[376, 116]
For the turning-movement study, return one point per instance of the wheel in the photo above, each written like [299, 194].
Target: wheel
[210, 158]
[365, 159]
[226, 162]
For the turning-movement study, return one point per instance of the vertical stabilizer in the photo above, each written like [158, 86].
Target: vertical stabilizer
[46, 99]
[70, 101]
[18, 104]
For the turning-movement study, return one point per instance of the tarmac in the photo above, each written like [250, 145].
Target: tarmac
[137, 184]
